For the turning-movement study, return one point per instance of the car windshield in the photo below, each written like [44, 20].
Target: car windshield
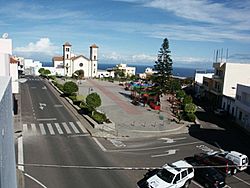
[165, 175]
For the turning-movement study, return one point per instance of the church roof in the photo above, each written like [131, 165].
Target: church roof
[57, 58]
[67, 44]
[76, 57]
[94, 46]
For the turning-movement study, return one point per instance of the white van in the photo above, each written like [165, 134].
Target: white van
[237, 158]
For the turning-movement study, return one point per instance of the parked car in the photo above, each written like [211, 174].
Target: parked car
[178, 174]
[225, 166]
[239, 159]
[220, 112]
[208, 177]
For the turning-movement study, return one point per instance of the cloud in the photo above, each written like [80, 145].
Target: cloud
[42, 46]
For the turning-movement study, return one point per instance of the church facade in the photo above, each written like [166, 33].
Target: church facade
[68, 63]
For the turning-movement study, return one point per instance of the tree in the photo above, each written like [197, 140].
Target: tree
[46, 72]
[41, 70]
[187, 99]
[70, 87]
[190, 108]
[180, 94]
[163, 66]
[93, 101]
[175, 85]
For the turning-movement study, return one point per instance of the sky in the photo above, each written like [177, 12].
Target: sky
[130, 31]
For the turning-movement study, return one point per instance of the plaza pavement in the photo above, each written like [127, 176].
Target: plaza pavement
[131, 120]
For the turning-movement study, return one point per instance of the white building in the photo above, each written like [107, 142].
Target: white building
[67, 64]
[31, 67]
[221, 88]
[7, 149]
[128, 71]
[198, 81]
[8, 64]
[242, 104]
[109, 73]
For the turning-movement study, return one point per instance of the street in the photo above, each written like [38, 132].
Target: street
[59, 152]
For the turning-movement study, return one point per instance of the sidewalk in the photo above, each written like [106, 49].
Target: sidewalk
[130, 120]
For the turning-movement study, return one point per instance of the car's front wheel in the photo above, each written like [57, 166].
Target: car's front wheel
[186, 185]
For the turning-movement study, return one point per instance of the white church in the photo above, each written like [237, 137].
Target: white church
[67, 64]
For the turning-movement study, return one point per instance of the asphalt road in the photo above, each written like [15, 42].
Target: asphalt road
[52, 136]
[77, 150]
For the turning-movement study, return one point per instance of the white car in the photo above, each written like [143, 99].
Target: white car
[175, 175]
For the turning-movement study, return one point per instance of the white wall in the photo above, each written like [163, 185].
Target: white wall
[199, 77]
[4, 64]
[86, 66]
[14, 75]
[6, 46]
[7, 150]
[235, 73]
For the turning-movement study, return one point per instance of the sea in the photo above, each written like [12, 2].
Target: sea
[177, 71]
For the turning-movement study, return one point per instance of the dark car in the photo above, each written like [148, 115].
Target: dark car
[208, 177]
[225, 166]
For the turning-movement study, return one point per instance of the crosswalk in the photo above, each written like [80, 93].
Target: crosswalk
[34, 79]
[63, 128]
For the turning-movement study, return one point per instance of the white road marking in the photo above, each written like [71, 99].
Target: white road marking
[25, 128]
[169, 152]
[154, 148]
[74, 127]
[117, 143]
[241, 180]
[58, 105]
[171, 140]
[33, 127]
[194, 182]
[50, 129]
[66, 128]
[99, 144]
[42, 129]
[58, 128]
[35, 180]
[81, 127]
[20, 153]
[46, 119]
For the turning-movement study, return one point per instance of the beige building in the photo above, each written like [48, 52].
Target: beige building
[224, 81]
[68, 63]
[128, 71]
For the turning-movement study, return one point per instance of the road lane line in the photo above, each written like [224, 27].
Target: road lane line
[42, 129]
[35, 180]
[33, 127]
[20, 153]
[197, 184]
[74, 127]
[58, 128]
[66, 128]
[154, 148]
[46, 119]
[99, 144]
[25, 128]
[50, 129]
[81, 127]
[241, 180]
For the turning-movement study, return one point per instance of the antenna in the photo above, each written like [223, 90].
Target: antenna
[227, 55]
[216, 56]
[221, 54]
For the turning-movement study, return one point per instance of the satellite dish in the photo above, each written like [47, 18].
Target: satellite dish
[5, 36]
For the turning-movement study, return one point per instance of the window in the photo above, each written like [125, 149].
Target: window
[190, 170]
[177, 178]
[94, 57]
[183, 174]
[67, 56]
[240, 115]
[80, 64]
[67, 49]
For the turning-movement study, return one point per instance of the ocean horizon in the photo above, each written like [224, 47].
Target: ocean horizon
[177, 71]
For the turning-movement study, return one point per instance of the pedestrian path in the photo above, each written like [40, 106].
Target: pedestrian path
[62, 128]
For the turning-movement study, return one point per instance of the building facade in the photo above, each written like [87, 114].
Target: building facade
[128, 71]
[67, 64]
[7, 150]
[224, 81]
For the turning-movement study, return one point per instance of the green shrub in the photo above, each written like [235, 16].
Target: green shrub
[80, 97]
[59, 86]
[93, 100]
[190, 117]
[72, 97]
[70, 87]
[99, 117]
